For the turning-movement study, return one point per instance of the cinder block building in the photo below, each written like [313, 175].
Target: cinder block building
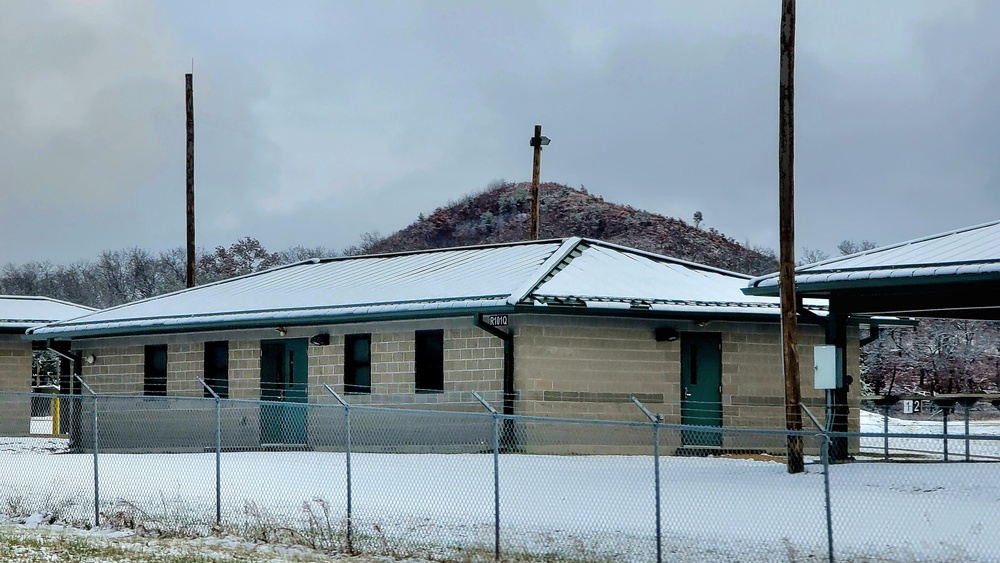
[558, 328]
[17, 314]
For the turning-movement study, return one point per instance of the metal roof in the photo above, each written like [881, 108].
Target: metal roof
[20, 312]
[971, 253]
[604, 273]
[540, 275]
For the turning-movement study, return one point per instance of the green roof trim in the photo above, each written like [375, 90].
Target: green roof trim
[825, 288]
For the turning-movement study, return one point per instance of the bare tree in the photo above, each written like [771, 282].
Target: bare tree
[369, 241]
[936, 356]
[300, 253]
[245, 256]
[850, 247]
[811, 255]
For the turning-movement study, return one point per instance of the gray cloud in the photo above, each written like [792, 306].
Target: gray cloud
[318, 121]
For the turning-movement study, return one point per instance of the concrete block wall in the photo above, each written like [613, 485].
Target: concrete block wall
[244, 368]
[473, 361]
[569, 367]
[15, 364]
[15, 376]
[117, 369]
[119, 366]
[185, 365]
[564, 367]
[326, 367]
[393, 363]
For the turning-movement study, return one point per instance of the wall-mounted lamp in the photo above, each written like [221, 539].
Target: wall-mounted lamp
[320, 340]
[666, 334]
[281, 331]
[89, 359]
[703, 323]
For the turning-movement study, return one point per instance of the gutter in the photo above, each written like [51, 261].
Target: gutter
[818, 288]
[91, 331]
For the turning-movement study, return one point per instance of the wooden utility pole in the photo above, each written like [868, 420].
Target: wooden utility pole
[537, 141]
[786, 211]
[189, 78]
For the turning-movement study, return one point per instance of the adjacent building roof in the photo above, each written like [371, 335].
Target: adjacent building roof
[971, 254]
[18, 312]
[571, 275]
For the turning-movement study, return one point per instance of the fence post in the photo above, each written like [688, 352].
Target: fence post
[55, 415]
[945, 411]
[218, 451]
[347, 449]
[97, 488]
[967, 406]
[825, 456]
[656, 420]
[496, 474]
[885, 430]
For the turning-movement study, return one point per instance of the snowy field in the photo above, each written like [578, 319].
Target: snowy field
[599, 508]
[931, 448]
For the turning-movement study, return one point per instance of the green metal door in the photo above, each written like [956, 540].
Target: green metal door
[284, 369]
[701, 387]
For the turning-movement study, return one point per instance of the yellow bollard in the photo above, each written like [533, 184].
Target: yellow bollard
[55, 415]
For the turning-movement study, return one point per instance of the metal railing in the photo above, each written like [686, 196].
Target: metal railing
[484, 485]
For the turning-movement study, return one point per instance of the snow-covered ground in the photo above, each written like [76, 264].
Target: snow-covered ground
[590, 507]
[931, 448]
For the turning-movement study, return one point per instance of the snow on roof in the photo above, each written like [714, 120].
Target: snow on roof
[967, 251]
[523, 275]
[19, 312]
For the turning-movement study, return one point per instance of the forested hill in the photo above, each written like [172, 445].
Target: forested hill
[501, 213]
[498, 214]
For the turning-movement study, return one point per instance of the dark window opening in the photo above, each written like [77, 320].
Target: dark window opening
[358, 363]
[429, 361]
[154, 381]
[217, 368]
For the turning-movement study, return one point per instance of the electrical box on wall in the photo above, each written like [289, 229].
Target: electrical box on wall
[825, 367]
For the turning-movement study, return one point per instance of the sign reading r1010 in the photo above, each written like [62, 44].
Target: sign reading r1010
[495, 320]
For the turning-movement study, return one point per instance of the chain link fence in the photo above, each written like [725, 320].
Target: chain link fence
[481, 485]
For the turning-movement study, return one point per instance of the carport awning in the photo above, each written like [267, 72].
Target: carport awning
[954, 274]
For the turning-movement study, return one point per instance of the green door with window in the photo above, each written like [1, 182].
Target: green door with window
[701, 387]
[284, 369]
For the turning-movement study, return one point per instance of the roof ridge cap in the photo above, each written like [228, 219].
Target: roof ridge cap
[555, 262]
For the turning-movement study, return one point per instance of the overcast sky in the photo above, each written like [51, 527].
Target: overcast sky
[319, 121]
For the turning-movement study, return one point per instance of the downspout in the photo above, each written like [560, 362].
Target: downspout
[508, 361]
